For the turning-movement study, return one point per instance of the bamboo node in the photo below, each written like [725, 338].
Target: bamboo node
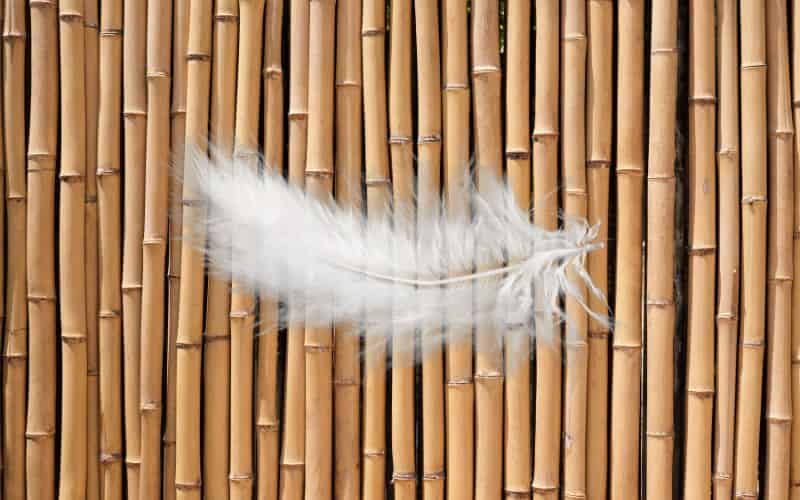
[660, 303]
[539, 135]
[348, 83]
[664, 51]
[702, 250]
[130, 287]
[70, 16]
[488, 69]
[577, 192]
[70, 177]
[134, 113]
[739, 494]
[292, 465]
[576, 345]
[574, 494]
[758, 65]
[438, 475]
[404, 476]
[599, 334]
[703, 99]
[268, 427]
[378, 181]
[133, 462]
[782, 133]
[779, 419]
[517, 154]
[110, 33]
[726, 316]
[73, 338]
[730, 153]
[108, 314]
[324, 174]
[780, 279]
[489, 377]
[544, 489]
[660, 178]
[41, 156]
[660, 435]
[753, 344]
[598, 163]
[634, 171]
[90, 198]
[273, 72]
[91, 26]
[401, 139]
[42, 3]
[154, 75]
[702, 393]
[15, 357]
[153, 241]
[509, 493]
[374, 454]
[41, 298]
[94, 372]
[297, 115]
[150, 406]
[14, 35]
[627, 347]
[40, 435]
[239, 314]
[226, 17]
[185, 486]
[453, 87]
[12, 197]
[317, 348]
[429, 139]
[168, 442]
[188, 345]
[722, 477]
[457, 382]
[370, 32]
[346, 382]
[106, 171]
[240, 478]
[198, 56]
[753, 199]
[216, 338]
[569, 37]
[177, 112]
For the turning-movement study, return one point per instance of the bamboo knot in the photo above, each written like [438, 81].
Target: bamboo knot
[729, 153]
[664, 51]
[15, 357]
[216, 338]
[14, 35]
[187, 486]
[703, 99]
[269, 427]
[378, 181]
[42, 3]
[657, 179]
[323, 174]
[150, 406]
[569, 37]
[133, 462]
[226, 17]
[370, 32]
[108, 314]
[753, 344]
[374, 454]
[485, 70]
[91, 26]
[68, 177]
[758, 65]
[240, 314]
[130, 287]
[598, 163]
[198, 56]
[660, 303]
[726, 316]
[15, 197]
[489, 377]
[168, 442]
[544, 489]
[348, 83]
[404, 476]
[627, 347]
[779, 420]
[574, 494]
[177, 112]
[700, 251]
[240, 478]
[458, 382]
[517, 154]
[94, 373]
[782, 133]
[741, 494]
[196, 203]
[90, 198]
[778, 280]
[155, 75]
[438, 475]
[660, 435]
[429, 139]
[346, 382]
[509, 493]
[153, 241]
[188, 345]
[41, 156]
[599, 334]
[40, 435]
[576, 345]
[400, 139]
[721, 476]
[630, 171]
[35, 298]
[703, 393]
[454, 87]
[577, 192]
[297, 115]
[292, 465]
[317, 348]
[73, 338]
[273, 72]
[134, 113]
[70, 16]
[539, 135]
[106, 171]
[111, 33]
[753, 199]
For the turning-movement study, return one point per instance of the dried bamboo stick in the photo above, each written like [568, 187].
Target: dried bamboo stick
[154, 244]
[780, 269]
[627, 344]
[754, 236]
[134, 110]
[292, 461]
[547, 449]
[2, 240]
[110, 237]
[15, 349]
[41, 252]
[794, 474]
[660, 429]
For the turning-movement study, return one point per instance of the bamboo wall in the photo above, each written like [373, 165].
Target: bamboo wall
[127, 374]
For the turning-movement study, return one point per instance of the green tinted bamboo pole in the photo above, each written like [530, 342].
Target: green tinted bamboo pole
[292, 466]
[753, 76]
[660, 429]
[780, 269]
[547, 444]
[627, 344]
[134, 111]
[109, 205]
[460, 394]
[154, 244]
[599, 113]
[15, 350]
[349, 159]
[794, 475]
[517, 482]
[40, 238]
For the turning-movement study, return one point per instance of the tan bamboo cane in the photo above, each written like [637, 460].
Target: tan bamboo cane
[2, 242]
[109, 206]
[154, 244]
[547, 449]
[660, 429]
[15, 350]
[780, 269]
[349, 160]
[460, 394]
[319, 184]
[627, 343]
[41, 252]
[518, 459]
[292, 461]
[401, 145]
[134, 111]
[248, 94]
[753, 77]
[794, 474]
[599, 113]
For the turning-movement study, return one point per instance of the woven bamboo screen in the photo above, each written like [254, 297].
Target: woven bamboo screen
[126, 373]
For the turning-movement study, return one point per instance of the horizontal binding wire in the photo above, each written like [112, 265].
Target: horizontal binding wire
[185, 486]
[438, 475]
[370, 32]
[40, 435]
[111, 33]
[404, 476]
[429, 139]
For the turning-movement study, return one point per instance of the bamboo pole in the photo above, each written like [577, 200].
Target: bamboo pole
[15, 351]
[134, 110]
[110, 237]
[154, 244]
[754, 235]
[660, 429]
[779, 261]
[2, 239]
[41, 251]
[794, 475]
[627, 345]
[518, 459]
[547, 433]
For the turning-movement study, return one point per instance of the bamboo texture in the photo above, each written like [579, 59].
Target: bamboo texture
[794, 473]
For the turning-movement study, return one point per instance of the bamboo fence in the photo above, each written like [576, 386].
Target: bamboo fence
[130, 372]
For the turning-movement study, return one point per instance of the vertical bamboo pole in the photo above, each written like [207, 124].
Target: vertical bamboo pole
[547, 449]
[627, 348]
[660, 429]
[2, 241]
[754, 236]
[779, 261]
[110, 237]
[15, 349]
[134, 111]
[292, 466]
[349, 159]
[517, 483]
[154, 244]
[794, 476]
[460, 395]
[41, 252]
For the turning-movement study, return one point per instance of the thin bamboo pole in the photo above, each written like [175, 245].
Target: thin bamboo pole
[110, 237]
[794, 474]
[660, 428]
[780, 269]
[154, 244]
[41, 252]
[754, 236]
[2, 239]
[15, 350]
[547, 449]
[134, 111]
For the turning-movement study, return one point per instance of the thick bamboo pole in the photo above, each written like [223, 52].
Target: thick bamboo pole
[753, 76]
[15, 349]
[349, 159]
[780, 266]
[41, 252]
[109, 205]
[154, 244]
[545, 214]
[794, 473]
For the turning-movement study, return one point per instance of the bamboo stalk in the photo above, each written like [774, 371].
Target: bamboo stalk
[660, 429]
[2, 237]
[41, 252]
[547, 447]
[794, 474]
[110, 232]
[754, 235]
[15, 351]
[134, 110]
[780, 271]
[627, 345]
[517, 482]
[154, 244]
